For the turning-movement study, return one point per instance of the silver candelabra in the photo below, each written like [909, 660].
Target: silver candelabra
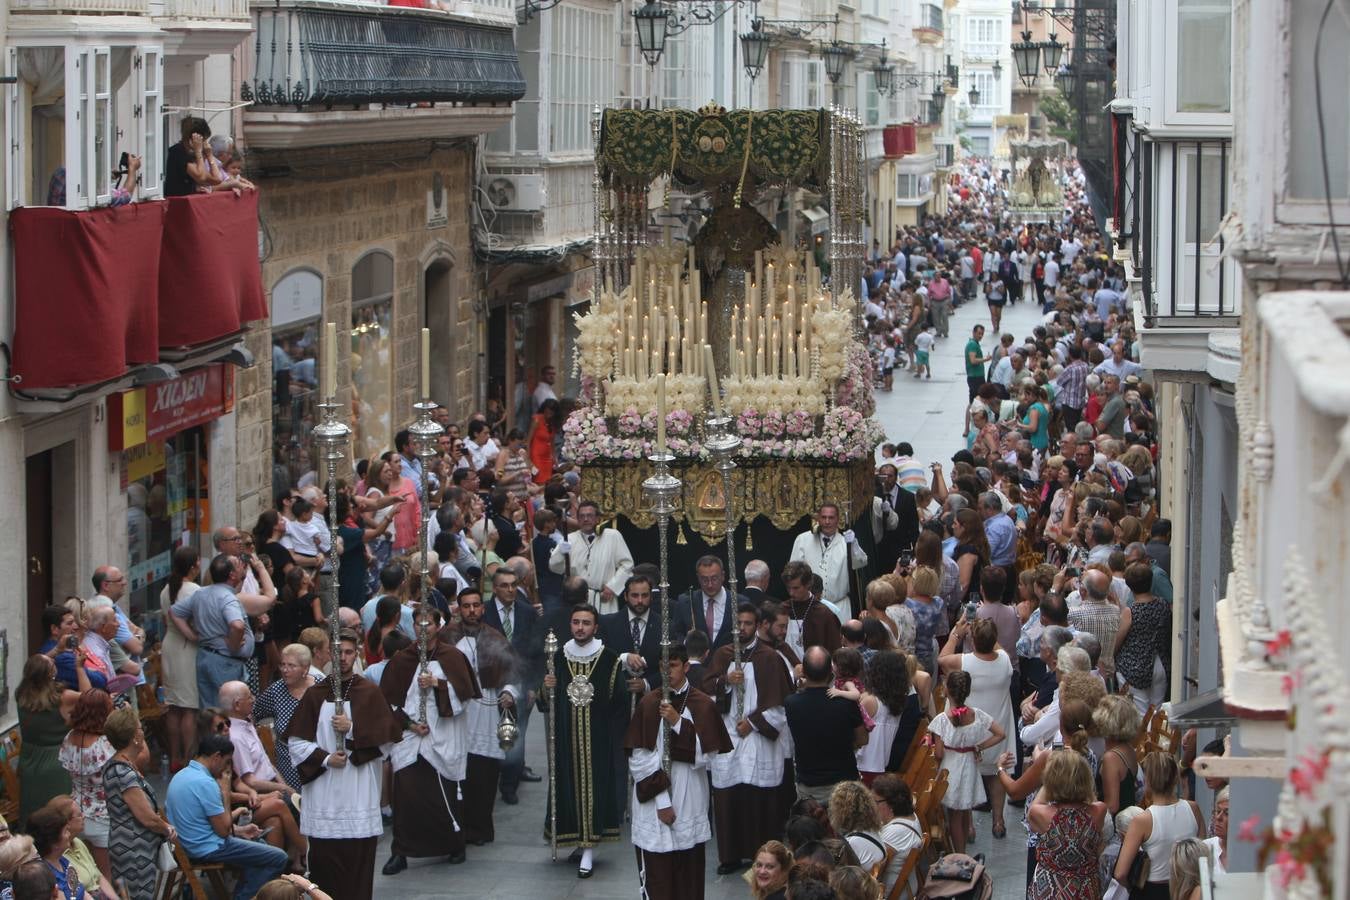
[662, 489]
[331, 436]
[723, 444]
[424, 434]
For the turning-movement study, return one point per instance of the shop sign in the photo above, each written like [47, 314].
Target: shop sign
[192, 399]
[144, 460]
[143, 574]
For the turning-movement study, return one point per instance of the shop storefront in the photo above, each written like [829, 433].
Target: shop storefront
[160, 434]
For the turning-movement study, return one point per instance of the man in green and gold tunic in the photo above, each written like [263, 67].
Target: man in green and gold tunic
[590, 688]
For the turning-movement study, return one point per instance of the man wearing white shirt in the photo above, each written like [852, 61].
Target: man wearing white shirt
[602, 558]
[670, 812]
[1051, 278]
[482, 448]
[830, 555]
[544, 389]
[494, 663]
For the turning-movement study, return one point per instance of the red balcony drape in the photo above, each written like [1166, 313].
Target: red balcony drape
[82, 281]
[209, 280]
[101, 291]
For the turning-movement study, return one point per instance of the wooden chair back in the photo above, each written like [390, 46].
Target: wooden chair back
[902, 887]
[882, 864]
[9, 780]
[916, 746]
[269, 742]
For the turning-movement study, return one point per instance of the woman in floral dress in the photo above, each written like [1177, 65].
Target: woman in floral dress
[84, 753]
[1069, 819]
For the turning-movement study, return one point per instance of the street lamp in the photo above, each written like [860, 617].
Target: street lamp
[883, 73]
[973, 95]
[755, 48]
[938, 99]
[836, 56]
[1068, 80]
[650, 22]
[1052, 49]
[998, 71]
[1027, 56]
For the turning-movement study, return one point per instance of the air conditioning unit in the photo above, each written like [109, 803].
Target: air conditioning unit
[515, 193]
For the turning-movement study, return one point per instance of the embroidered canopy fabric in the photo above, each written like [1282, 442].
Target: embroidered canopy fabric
[709, 146]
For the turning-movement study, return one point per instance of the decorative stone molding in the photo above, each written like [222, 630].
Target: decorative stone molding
[1262, 451]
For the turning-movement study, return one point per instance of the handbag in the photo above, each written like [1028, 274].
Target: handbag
[1137, 877]
[165, 858]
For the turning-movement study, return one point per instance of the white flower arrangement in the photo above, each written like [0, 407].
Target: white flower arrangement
[597, 337]
[685, 392]
[831, 336]
[779, 395]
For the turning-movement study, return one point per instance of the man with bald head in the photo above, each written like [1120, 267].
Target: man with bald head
[1098, 615]
[826, 731]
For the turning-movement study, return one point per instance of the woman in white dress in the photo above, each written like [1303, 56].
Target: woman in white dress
[991, 674]
[962, 735]
[178, 660]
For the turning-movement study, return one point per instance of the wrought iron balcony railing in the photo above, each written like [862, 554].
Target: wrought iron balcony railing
[312, 53]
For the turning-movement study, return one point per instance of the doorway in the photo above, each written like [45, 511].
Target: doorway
[438, 309]
[38, 504]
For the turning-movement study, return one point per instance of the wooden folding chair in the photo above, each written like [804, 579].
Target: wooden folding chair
[923, 769]
[916, 746]
[902, 887]
[148, 707]
[881, 866]
[9, 780]
[190, 873]
[269, 742]
[933, 817]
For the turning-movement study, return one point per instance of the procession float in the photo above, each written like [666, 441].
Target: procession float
[725, 390]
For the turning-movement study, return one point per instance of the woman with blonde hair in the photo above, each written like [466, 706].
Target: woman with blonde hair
[854, 883]
[1117, 723]
[884, 605]
[1074, 721]
[282, 698]
[930, 616]
[854, 818]
[1069, 818]
[1185, 881]
[1158, 828]
[769, 871]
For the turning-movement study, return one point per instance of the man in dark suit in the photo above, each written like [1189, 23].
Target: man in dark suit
[756, 587]
[906, 534]
[517, 622]
[705, 608]
[634, 633]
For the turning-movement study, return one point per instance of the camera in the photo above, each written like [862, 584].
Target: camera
[906, 558]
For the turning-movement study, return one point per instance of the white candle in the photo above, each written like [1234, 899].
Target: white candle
[329, 360]
[661, 414]
[759, 267]
[745, 371]
[710, 366]
[426, 363]
[628, 363]
[774, 343]
[735, 333]
[770, 297]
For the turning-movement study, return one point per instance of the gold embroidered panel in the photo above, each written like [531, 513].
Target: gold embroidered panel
[780, 491]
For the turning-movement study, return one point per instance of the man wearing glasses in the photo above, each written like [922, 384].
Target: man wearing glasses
[110, 584]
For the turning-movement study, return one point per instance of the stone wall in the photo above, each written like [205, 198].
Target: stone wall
[325, 208]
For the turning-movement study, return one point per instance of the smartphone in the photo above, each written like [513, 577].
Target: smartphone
[971, 608]
[906, 559]
[72, 641]
[264, 832]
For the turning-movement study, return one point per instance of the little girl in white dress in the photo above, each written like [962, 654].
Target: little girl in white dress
[960, 736]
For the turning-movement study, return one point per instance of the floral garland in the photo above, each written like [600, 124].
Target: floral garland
[831, 336]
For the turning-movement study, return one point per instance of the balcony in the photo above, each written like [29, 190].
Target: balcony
[929, 29]
[344, 72]
[1177, 196]
[101, 294]
[539, 207]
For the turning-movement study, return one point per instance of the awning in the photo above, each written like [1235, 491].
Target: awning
[819, 217]
[1205, 710]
